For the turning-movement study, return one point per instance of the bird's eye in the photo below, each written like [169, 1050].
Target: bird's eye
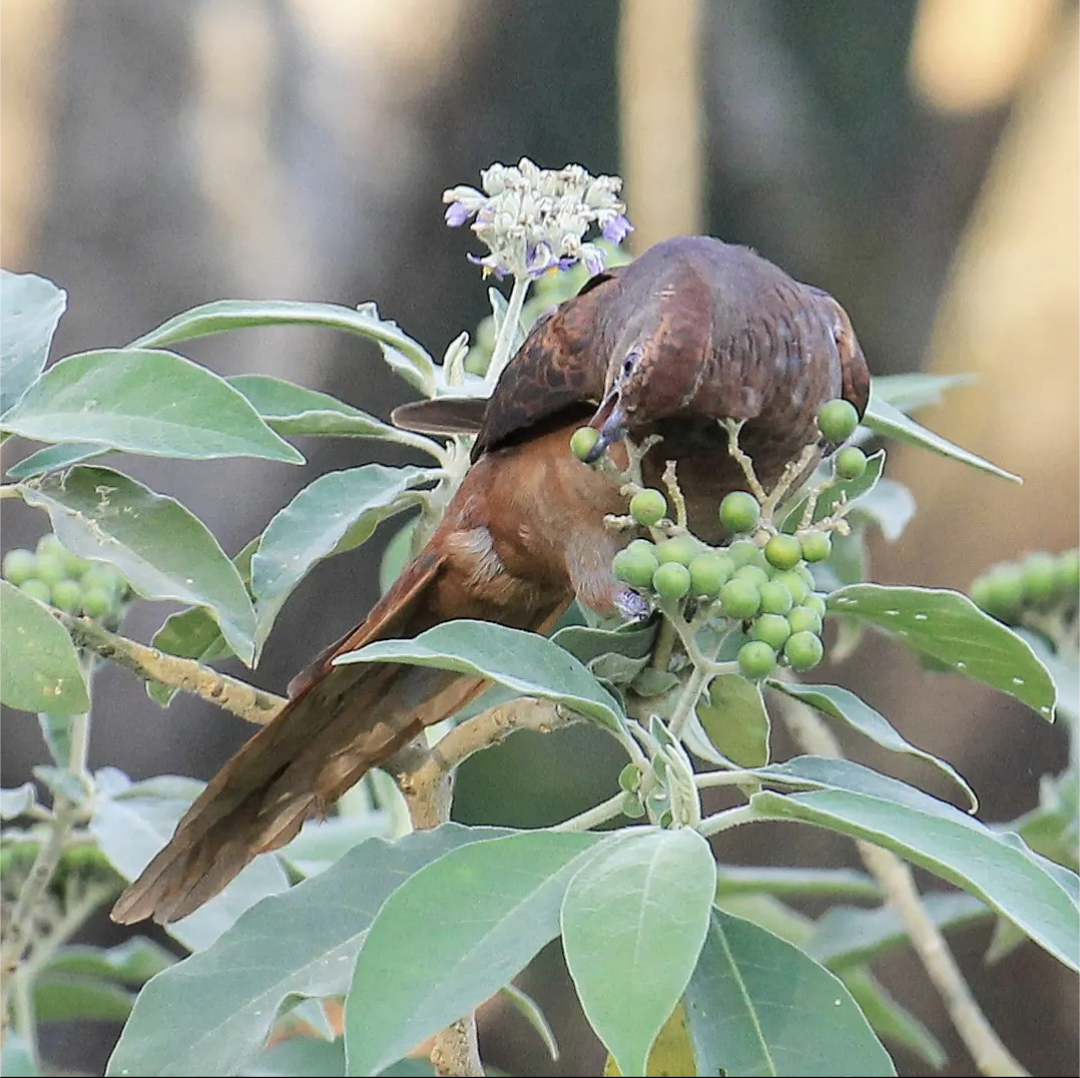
[628, 363]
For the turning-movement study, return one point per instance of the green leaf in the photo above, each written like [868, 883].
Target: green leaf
[843, 704]
[452, 935]
[888, 421]
[145, 401]
[30, 309]
[63, 997]
[335, 513]
[530, 1010]
[211, 1013]
[1038, 896]
[890, 1020]
[849, 935]
[951, 628]
[55, 457]
[321, 843]
[163, 550]
[39, 667]
[909, 392]
[735, 720]
[292, 409]
[56, 732]
[756, 1005]
[133, 821]
[16, 1059]
[404, 355]
[819, 882]
[525, 662]
[890, 505]
[300, 1057]
[132, 962]
[633, 921]
[842, 492]
[14, 802]
[396, 554]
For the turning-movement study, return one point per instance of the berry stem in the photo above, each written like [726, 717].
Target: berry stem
[675, 494]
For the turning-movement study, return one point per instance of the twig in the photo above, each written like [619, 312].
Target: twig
[979, 1037]
[593, 817]
[456, 1051]
[232, 694]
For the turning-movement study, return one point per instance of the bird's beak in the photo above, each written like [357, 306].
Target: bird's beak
[610, 421]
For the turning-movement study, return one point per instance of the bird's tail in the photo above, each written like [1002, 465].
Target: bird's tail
[340, 721]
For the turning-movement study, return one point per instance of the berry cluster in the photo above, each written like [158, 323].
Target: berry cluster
[52, 574]
[1037, 584]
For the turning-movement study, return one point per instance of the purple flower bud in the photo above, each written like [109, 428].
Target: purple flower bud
[617, 229]
[489, 265]
[593, 258]
[457, 213]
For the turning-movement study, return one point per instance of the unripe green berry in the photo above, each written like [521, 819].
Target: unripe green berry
[50, 568]
[647, 507]
[709, 572]
[816, 603]
[775, 598]
[97, 602]
[837, 420]
[583, 442]
[36, 589]
[74, 565]
[1040, 578]
[19, 566]
[100, 575]
[746, 552]
[1068, 571]
[850, 463]
[739, 511]
[50, 544]
[66, 595]
[803, 650]
[795, 584]
[773, 629]
[816, 546]
[802, 619]
[671, 580]
[753, 573]
[1001, 591]
[756, 659]
[635, 566]
[681, 548]
[740, 599]
[783, 551]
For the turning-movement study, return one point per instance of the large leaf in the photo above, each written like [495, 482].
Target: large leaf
[735, 720]
[633, 922]
[452, 935]
[404, 355]
[335, 513]
[55, 457]
[163, 550]
[145, 401]
[757, 1005]
[132, 821]
[30, 308]
[888, 421]
[305, 941]
[909, 392]
[529, 664]
[845, 705]
[949, 627]
[1038, 896]
[39, 667]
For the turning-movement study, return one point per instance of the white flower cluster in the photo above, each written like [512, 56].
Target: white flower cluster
[534, 219]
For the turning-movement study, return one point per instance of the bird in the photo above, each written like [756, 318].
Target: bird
[693, 331]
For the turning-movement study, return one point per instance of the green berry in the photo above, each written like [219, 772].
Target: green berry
[783, 551]
[773, 629]
[756, 659]
[19, 566]
[1001, 591]
[802, 619]
[51, 568]
[36, 589]
[49, 544]
[795, 584]
[816, 546]
[583, 442]
[709, 572]
[100, 575]
[803, 650]
[1040, 578]
[682, 549]
[635, 566]
[850, 463]
[746, 552]
[1068, 571]
[837, 420]
[671, 580]
[754, 573]
[739, 511]
[740, 599]
[647, 507]
[66, 595]
[815, 603]
[98, 603]
[775, 598]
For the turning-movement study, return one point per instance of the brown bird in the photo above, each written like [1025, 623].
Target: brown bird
[694, 331]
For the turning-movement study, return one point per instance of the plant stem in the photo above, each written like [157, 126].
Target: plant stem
[896, 879]
[724, 821]
[593, 817]
[501, 353]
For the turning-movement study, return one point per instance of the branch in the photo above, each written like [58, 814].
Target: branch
[232, 694]
[979, 1037]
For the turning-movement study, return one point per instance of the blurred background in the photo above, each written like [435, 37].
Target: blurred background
[917, 158]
